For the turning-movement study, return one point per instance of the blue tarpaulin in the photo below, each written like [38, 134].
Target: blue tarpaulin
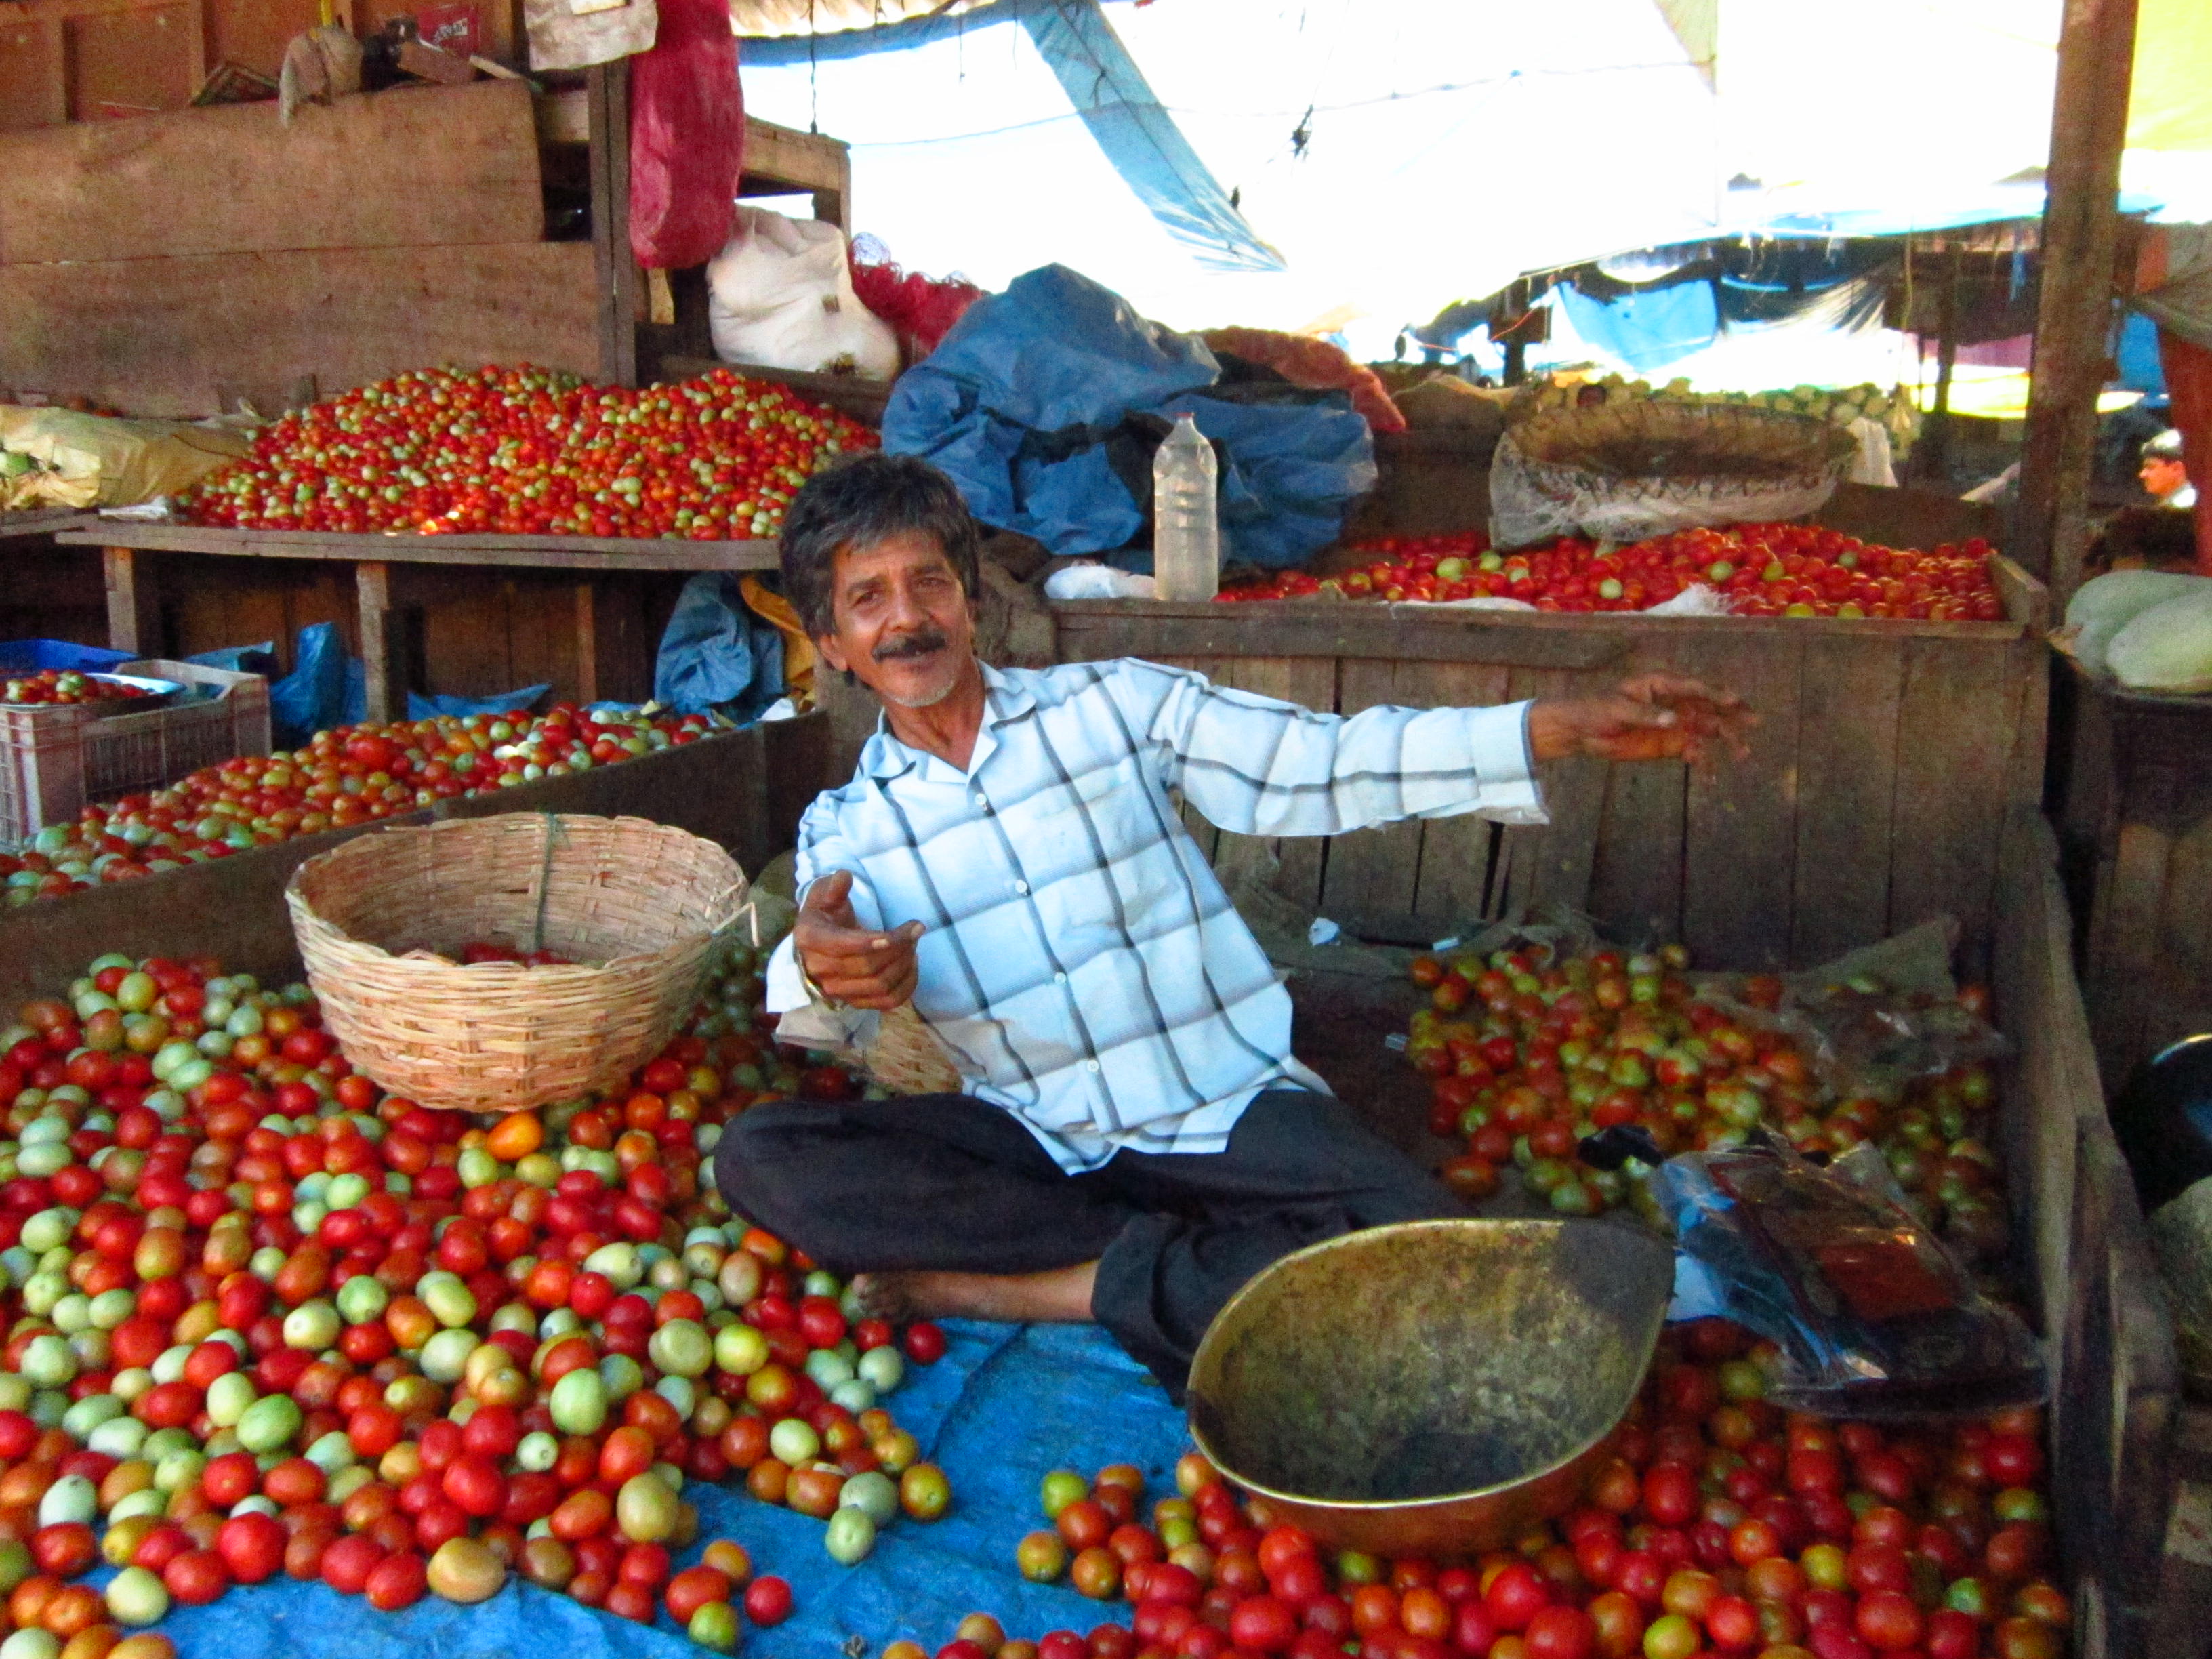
[1005, 1404]
[1650, 326]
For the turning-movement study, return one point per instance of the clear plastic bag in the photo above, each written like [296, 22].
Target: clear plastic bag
[1874, 1318]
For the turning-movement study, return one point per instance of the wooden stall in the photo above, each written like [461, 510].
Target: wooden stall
[744, 790]
[464, 614]
[48, 591]
[1886, 753]
[2131, 791]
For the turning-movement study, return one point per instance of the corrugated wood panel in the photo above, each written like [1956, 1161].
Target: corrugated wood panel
[160, 336]
[1957, 723]
[136, 63]
[1849, 698]
[253, 33]
[1452, 884]
[412, 168]
[33, 92]
[1374, 872]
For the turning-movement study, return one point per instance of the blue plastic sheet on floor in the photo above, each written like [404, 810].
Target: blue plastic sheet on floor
[1005, 1404]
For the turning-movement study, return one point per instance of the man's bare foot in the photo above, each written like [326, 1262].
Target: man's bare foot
[1061, 1296]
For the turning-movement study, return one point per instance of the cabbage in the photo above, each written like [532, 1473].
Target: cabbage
[2101, 607]
[2167, 647]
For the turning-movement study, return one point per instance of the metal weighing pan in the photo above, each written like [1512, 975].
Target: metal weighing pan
[1432, 1388]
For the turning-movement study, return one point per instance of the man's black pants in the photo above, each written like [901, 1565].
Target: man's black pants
[954, 1184]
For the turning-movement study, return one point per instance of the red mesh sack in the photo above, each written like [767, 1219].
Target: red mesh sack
[1304, 360]
[687, 137]
[921, 309]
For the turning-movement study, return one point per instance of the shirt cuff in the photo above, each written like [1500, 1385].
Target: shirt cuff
[784, 985]
[1498, 747]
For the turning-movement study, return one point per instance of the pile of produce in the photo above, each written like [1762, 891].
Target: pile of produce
[264, 1318]
[62, 685]
[1756, 570]
[347, 775]
[1530, 1056]
[1720, 1525]
[1894, 409]
[2150, 629]
[530, 452]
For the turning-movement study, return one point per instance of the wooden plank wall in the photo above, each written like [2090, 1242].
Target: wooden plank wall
[2134, 799]
[380, 235]
[2093, 1287]
[100, 60]
[1882, 763]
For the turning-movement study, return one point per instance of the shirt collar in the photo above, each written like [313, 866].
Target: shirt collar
[884, 757]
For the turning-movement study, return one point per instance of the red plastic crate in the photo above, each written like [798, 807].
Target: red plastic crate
[55, 760]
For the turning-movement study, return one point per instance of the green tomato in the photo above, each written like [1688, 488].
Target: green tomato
[873, 1491]
[794, 1442]
[1060, 1488]
[740, 1349]
[579, 1402]
[851, 1535]
[228, 1398]
[681, 1348]
[270, 1424]
[445, 1355]
[136, 1596]
[713, 1627]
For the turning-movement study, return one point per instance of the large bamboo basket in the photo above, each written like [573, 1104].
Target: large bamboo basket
[638, 901]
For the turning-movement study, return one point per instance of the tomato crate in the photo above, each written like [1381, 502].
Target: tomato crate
[55, 760]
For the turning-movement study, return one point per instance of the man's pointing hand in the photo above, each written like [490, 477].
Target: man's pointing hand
[847, 961]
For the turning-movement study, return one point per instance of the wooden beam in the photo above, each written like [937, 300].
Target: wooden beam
[134, 617]
[2080, 246]
[1935, 455]
[385, 697]
[608, 87]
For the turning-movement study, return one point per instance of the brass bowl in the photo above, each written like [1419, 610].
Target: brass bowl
[1432, 1388]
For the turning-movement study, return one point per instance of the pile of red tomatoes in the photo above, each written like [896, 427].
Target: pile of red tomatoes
[1760, 570]
[348, 775]
[264, 1318]
[1527, 1056]
[1719, 1525]
[530, 451]
[65, 685]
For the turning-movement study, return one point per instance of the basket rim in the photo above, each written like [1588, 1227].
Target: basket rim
[304, 913]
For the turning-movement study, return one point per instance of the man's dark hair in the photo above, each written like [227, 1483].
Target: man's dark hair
[857, 504]
[2166, 446]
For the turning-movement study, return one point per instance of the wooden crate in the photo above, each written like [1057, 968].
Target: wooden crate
[2086, 1263]
[2131, 791]
[1888, 755]
[746, 791]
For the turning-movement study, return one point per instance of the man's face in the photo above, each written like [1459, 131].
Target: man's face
[903, 624]
[2161, 476]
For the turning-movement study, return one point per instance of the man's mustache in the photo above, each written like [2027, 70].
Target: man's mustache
[920, 643]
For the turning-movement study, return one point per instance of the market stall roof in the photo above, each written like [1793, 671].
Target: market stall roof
[1395, 157]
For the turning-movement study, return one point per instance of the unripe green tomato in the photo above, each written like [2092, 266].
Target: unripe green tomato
[147, 1500]
[645, 1510]
[47, 1361]
[313, 1326]
[119, 1437]
[163, 1442]
[227, 1398]
[741, 1349]
[850, 1536]
[617, 1262]
[344, 1192]
[31, 1644]
[1060, 1488]
[111, 1308]
[270, 1423]
[246, 1022]
[331, 1452]
[794, 1442]
[883, 1368]
[259, 1503]
[265, 1263]
[538, 1450]
[855, 1396]
[45, 1159]
[538, 1168]
[71, 1498]
[72, 1313]
[43, 1131]
[362, 1298]
[130, 1383]
[874, 1492]
[214, 1045]
[43, 1292]
[681, 1348]
[179, 1471]
[819, 1283]
[579, 1402]
[91, 1347]
[15, 1564]
[476, 1167]
[136, 1596]
[347, 1481]
[679, 1392]
[15, 1391]
[445, 1355]
[559, 1322]
[829, 1367]
[623, 1376]
[714, 1626]
[448, 1299]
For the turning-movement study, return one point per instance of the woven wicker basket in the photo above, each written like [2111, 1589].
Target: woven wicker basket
[907, 1058]
[637, 900]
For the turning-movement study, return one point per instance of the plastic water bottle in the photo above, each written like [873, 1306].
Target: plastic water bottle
[1186, 533]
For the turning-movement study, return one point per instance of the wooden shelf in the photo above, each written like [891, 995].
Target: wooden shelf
[16, 527]
[528, 552]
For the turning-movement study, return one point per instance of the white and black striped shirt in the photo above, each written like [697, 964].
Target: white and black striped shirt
[1082, 963]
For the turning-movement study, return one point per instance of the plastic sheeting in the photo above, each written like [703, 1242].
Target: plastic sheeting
[1039, 392]
[715, 652]
[1005, 1405]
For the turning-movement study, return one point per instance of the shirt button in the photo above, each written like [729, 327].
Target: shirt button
[981, 799]
[1090, 1066]
[1021, 887]
[1060, 979]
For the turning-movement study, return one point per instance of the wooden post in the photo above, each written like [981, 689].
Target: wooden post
[1935, 447]
[384, 697]
[607, 87]
[2080, 249]
[134, 615]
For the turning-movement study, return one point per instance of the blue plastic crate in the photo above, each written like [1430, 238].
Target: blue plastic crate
[17, 656]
